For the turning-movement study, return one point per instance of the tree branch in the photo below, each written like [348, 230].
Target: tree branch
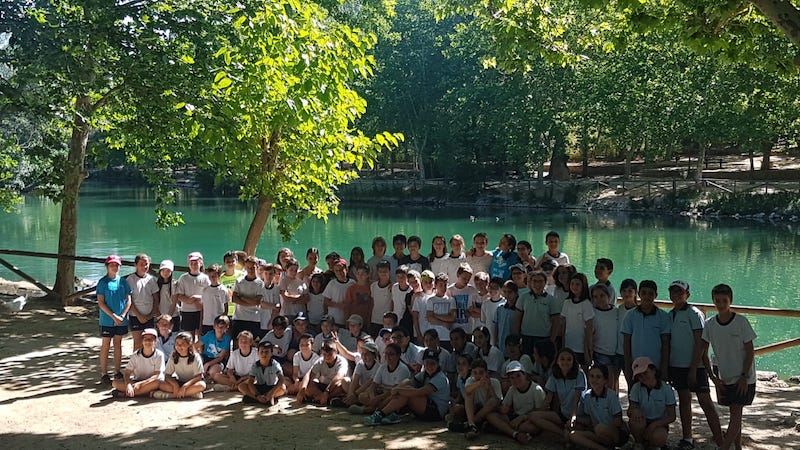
[784, 15]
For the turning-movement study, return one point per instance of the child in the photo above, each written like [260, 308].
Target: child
[606, 334]
[602, 270]
[165, 341]
[520, 278]
[501, 313]
[167, 301]
[381, 294]
[230, 275]
[239, 364]
[483, 397]
[316, 309]
[302, 361]
[513, 345]
[544, 354]
[326, 378]
[598, 424]
[271, 298]
[357, 260]
[399, 256]
[465, 296]
[441, 310]
[363, 374]
[184, 371]
[326, 333]
[731, 337]
[378, 255]
[577, 320]
[523, 397]
[456, 256]
[408, 350]
[400, 294]
[266, 382]
[478, 258]
[427, 397]
[630, 300]
[488, 352]
[349, 339]
[419, 311]
[144, 371]
[553, 241]
[504, 257]
[335, 291]
[293, 291]
[281, 337]
[566, 384]
[215, 346]
[144, 299]
[390, 374]
[561, 277]
[686, 371]
[189, 292]
[283, 256]
[114, 301]
[537, 316]
[524, 251]
[646, 330]
[248, 293]
[215, 298]
[414, 260]
[438, 256]
[311, 269]
[652, 404]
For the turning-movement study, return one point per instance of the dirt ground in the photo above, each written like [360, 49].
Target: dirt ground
[50, 397]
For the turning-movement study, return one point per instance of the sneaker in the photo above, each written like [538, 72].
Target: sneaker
[686, 444]
[118, 394]
[118, 376]
[356, 409]
[457, 427]
[198, 395]
[391, 419]
[160, 395]
[337, 402]
[375, 418]
[472, 432]
[221, 388]
[105, 379]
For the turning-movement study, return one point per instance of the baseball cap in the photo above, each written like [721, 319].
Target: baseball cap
[514, 366]
[681, 284]
[641, 364]
[194, 256]
[113, 259]
[149, 332]
[430, 354]
[327, 318]
[370, 347]
[268, 344]
[356, 319]
[328, 345]
[384, 331]
[520, 267]
[300, 316]
[167, 264]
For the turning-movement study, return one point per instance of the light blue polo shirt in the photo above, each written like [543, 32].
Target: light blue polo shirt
[536, 313]
[653, 402]
[685, 322]
[601, 409]
[646, 331]
[567, 390]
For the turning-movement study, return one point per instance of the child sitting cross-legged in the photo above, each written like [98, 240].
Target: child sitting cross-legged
[523, 397]
[483, 397]
[184, 371]
[145, 369]
[265, 382]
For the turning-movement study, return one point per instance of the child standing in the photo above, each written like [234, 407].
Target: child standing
[215, 298]
[399, 256]
[602, 270]
[501, 313]
[358, 298]
[456, 256]
[293, 291]
[400, 291]
[114, 301]
[607, 323]
[478, 258]
[316, 309]
[477, 316]
[145, 369]
[248, 293]
[230, 275]
[415, 260]
[553, 242]
[266, 382]
[731, 337]
[144, 299]
[537, 316]
[465, 297]
[504, 257]
[686, 371]
[438, 256]
[646, 330]
[271, 301]
[184, 371]
[378, 255]
[441, 311]
[577, 320]
[335, 291]
[630, 300]
[381, 294]
[167, 301]
[189, 292]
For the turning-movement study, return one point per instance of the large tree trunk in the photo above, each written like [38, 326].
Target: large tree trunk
[74, 174]
[257, 225]
[701, 158]
[558, 162]
[766, 152]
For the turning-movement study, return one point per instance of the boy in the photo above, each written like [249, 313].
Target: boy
[399, 255]
[523, 397]
[686, 369]
[248, 292]
[326, 333]
[293, 291]
[230, 275]
[408, 350]
[478, 314]
[381, 294]
[239, 364]
[114, 301]
[266, 381]
[428, 395]
[602, 270]
[335, 291]
[144, 297]
[302, 362]
[415, 260]
[483, 397]
[464, 296]
[731, 337]
[456, 257]
[441, 310]
[271, 298]
[215, 298]
[553, 241]
[189, 292]
[646, 331]
[538, 314]
[326, 378]
[215, 346]
[358, 298]
[145, 369]
[399, 291]
[349, 339]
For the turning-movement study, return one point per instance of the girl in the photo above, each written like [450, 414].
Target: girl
[504, 310]
[544, 353]
[577, 320]
[184, 371]
[378, 255]
[652, 405]
[145, 369]
[483, 396]
[456, 256]
[165, 341]
[390, 374]
[566, 384]
[630, 300]
[357, 259]
[488, 352]
[598, 424]
[407, 320]
[438, 255]
[114, 301]
[315, 300]
[302, 362]
[292, 289]
[419, 311]
[189, 292]
[239, 364]
[167, 302]
[561, 276]
[362, 375]
[606, 333]
[311, 269]
[284, 255]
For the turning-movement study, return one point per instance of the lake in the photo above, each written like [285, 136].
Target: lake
[760, 261]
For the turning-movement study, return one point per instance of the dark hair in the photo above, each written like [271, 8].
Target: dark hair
[546, 349]
[308, 336]
[312, 251]
[627, 283]
[459, 332]
[319, 277]
[525, 244]
[513, 340]
[222, 318]
[280, 321]
[601, 367]
[383, 264]
[292, 262]
[140, 257]
[186, 336]
[391, 315]
[357, 251]
[648, 284]
[441, 276]
[486, 333]
[512, 241]
[378, 240]
[395, 347]
[214, 268]
[550, 234]
[571, 270]
[510, 285]
[601, 287]
[480, 234]
[402, 268]
[497, 281]
[722, 289]
[416, 239]
[398, 238]
[332, 255]
[584, 294]
[230, 254]
[606, 262]
[401, 330]
[573, 371]
[430, 332]
[432, 256]
[479, 363]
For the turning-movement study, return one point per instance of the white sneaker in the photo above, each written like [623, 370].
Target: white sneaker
[160, 395]
[198, 395]
[221, 388]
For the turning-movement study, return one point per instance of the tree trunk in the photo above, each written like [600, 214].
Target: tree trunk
[766, 152]
[628, 157]
[558, 162]
[701, 157]
[752, 158]
[784, 15]
[257, 225]
[74, 174]
[585, 151]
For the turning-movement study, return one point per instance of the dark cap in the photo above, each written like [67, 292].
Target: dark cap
[430, 354]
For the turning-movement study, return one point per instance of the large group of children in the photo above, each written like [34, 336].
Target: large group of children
[484, 340]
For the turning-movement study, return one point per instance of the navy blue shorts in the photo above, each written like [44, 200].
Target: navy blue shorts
[679, 378]
[109, 332]
[431, 413]
[190, 321]
[263, 388]
[729, 395]
[135, 325]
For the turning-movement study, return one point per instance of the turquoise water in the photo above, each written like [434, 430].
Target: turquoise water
[760, 261]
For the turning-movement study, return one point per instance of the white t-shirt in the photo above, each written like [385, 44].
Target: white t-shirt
[316, 308]
[524, 360]
[292, 286]
[399, 300]
[480, 395]
[443, 306]
[421, 306]
[381, 301]
[488, 308]
[452, 264]
[241, 364]
[444, 358]
[214, 299]
[727, 340]
[336, 291]
[410, 355]
[270, 297]
[494, 360]
[576, 315]
[142, 290]
[304, 365]
[386, 378]
[183, 369]
[248, 288]
[439, 264]
[190, 285]
[480, 263]
[524, 402]
[282, 342]
[364, 374]
[143, 367]
[464, 298]
[325, 373]
[606, 330]
[165, 297]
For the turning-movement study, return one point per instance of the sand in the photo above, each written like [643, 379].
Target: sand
[50, 397]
